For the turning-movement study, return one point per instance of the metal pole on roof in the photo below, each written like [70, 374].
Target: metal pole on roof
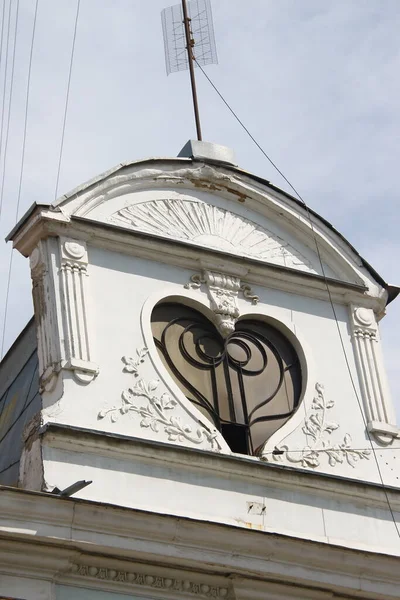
[189, 47]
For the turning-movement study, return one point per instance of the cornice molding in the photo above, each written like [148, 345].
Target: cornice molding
[136, 578]
[105, 533]
[45, 223]
[233, 184]
[244, 467]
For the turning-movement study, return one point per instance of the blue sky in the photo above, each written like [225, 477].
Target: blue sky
[317, 82]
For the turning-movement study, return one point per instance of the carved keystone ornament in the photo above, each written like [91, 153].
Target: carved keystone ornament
[223, 292]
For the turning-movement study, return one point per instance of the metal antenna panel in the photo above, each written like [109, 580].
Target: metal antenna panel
[202, 32]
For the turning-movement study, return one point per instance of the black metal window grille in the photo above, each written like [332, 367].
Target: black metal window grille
[248, 384]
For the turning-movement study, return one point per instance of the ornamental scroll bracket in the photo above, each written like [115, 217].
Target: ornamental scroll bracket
[223, 291]
[379, 410]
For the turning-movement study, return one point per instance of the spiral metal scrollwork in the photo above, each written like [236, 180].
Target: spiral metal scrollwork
[249, 378]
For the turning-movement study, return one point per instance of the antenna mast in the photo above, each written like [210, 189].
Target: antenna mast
[189, 47]
[187, 25]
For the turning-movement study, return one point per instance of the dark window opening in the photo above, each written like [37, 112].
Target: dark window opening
[248, 384]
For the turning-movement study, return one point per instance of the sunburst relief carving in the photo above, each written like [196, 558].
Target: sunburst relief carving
[210, 226]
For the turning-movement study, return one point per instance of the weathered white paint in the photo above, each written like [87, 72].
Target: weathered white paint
[123, 331]
[215, 489]
[232, 247]
[117, 288]
[239, 190]
[103, 548]
[59, 272]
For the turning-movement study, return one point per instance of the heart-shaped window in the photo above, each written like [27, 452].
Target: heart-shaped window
[248, 384]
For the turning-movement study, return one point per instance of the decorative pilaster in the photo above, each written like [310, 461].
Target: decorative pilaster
[223, 291]
[378, 406]
[73, 274]
[59, 272]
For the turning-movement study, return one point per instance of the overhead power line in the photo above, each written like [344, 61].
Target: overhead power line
[326, 284]
[3, 103]
[3, 18]
[24, 139]
[4, 154]
[67, 99]
[21, 172]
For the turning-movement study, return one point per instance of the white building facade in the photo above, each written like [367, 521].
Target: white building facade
[209, 358]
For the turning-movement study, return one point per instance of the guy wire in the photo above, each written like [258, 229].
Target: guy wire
[67, 99]
[326, 284]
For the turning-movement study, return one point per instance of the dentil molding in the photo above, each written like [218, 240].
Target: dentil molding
[223, 293]
[59, 273]
[378, 407]
[151, 581]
